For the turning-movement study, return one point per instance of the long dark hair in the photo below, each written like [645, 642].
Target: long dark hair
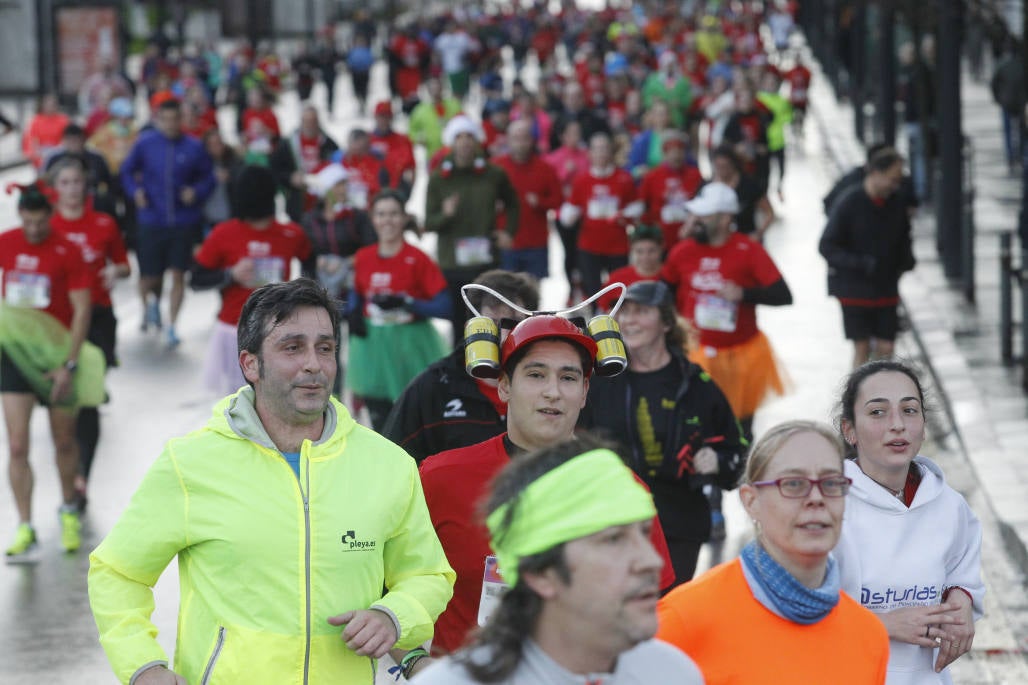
[846, 411]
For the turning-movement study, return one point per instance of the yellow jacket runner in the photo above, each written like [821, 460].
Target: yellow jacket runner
[265, 558]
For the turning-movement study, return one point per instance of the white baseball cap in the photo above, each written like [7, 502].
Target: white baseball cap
[714, 198]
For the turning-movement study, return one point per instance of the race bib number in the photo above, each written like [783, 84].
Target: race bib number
[473, 251]
[30, 290]
[715, 313]
[268, 270]
[673, 214]
[602, 208]
[358, 194]
[493, 589]
[387, 317]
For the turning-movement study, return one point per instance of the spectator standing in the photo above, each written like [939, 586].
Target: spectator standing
[1008, 91]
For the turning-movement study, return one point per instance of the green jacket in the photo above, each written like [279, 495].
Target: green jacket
[426, 126]
[264, 558]
[781, 113]
[678, 97]
[479, 187]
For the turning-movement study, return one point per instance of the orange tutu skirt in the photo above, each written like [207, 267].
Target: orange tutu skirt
[745, 373]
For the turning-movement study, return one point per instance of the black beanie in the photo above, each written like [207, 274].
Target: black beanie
[254, 193]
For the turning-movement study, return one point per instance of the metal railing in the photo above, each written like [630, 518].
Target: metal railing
[1011, 275]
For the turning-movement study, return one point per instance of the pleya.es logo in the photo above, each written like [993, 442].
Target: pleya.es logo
[351, 543]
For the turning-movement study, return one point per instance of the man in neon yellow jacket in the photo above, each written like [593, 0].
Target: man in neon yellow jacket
[288, 519]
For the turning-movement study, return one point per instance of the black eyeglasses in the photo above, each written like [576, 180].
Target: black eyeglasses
[795, 487]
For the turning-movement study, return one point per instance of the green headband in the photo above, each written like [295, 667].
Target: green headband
[582, 496]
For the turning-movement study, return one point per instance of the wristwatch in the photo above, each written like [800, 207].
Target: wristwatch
[71, 365]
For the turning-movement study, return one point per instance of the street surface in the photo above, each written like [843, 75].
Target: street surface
[46, 629]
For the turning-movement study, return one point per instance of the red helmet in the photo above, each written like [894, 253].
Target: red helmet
[544, 326]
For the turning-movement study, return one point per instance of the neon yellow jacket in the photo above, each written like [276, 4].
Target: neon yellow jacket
[264, 558]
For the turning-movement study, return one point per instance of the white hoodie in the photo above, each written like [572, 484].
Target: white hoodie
[891, 557]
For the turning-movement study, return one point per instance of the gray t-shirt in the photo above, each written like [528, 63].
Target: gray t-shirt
[647, 663]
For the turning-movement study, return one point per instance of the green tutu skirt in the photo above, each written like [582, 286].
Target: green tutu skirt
[38, 343]
[383, 363]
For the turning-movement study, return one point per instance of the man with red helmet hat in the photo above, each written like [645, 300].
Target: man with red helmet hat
[545, 364]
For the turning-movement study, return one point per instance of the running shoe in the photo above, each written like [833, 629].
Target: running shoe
[717, 526]
[153, 315]
[173, 339]
[71, 528]
[23, 548]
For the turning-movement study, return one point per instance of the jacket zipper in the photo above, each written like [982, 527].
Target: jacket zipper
[169, 184]
[214, 656]
[307, 570]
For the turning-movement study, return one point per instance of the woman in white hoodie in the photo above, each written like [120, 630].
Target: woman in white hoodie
[910, 549]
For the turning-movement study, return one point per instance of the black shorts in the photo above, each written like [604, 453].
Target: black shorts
[159, 248]
[12, 379]
[864, 323]
[103, 332]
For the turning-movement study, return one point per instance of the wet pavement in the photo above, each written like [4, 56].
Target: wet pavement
[47, 631]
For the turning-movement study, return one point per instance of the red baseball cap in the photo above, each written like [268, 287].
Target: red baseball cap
[384, 109]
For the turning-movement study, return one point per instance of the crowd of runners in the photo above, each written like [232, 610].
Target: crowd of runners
[476, 520]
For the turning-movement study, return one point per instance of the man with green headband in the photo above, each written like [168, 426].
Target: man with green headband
[570, 525]
[546, 363]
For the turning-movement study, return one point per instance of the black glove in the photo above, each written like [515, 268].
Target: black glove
[355, 321]
[388, 302]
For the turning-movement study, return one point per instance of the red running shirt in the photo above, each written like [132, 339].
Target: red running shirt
[602, 200]
[455, 482]
[272, 249]
[97, 234]
[41, 276]
[700, 271]
[409, 272]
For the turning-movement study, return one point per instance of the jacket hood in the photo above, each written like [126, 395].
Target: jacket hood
[236, 417]
[865, 489]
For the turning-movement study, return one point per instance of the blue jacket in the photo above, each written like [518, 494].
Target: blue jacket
[163, 167]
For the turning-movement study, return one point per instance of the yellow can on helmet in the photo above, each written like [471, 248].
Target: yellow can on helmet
[611, 357]
[482, 348]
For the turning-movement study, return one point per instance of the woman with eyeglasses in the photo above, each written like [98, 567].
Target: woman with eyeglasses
[776, 614]
[911, 546]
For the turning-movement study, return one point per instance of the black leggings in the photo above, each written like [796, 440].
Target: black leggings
[569, 238]
[87, 434]
[378, 410]
[684, 554]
